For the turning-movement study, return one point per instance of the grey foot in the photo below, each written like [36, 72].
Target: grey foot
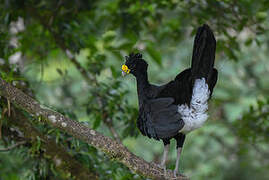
[164, 169]
[176, 173]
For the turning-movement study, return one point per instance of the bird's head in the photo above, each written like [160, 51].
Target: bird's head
[134, 64]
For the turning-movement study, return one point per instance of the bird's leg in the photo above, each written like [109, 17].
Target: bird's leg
[165, 155]
[180, 138]
[177, 161]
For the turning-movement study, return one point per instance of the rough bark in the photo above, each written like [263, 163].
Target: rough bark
[112, 148]
[63, 161]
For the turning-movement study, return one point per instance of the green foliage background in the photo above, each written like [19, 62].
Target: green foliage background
[233, 144]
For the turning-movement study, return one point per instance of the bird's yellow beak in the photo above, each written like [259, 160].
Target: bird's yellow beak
[125, 70]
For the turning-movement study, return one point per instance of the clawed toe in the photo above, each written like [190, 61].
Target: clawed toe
[164, 171]
[175, 173]
[159, 165]
[163, 167]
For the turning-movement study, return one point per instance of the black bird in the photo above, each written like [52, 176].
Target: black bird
[180, 106]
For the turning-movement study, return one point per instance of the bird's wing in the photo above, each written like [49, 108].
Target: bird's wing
[180, 89]
[159, 118]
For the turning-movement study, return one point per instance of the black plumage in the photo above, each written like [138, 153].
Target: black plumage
[159, 117]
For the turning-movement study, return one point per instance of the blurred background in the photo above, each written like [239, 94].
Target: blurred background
[68, 56]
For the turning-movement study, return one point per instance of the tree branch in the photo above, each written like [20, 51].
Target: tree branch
[112, 148]
[63, 161]
[12, 146]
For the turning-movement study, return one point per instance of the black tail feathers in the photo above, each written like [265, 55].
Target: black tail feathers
[203, 56]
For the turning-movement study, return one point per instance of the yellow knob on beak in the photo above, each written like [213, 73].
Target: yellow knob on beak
[125, 70]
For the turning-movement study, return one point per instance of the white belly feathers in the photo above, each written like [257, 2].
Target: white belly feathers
[195, 115]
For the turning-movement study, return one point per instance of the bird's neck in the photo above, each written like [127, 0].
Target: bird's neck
[142, 86]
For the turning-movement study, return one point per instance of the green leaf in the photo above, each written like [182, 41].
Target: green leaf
[97, 122]
[248, 41]
[115, 73]
[155, 55]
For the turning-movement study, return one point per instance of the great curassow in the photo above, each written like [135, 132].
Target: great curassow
[180, 106]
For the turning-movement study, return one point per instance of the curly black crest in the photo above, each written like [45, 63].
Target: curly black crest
[133, 56]
[136, 63]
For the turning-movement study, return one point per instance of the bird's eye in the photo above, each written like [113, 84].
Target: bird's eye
[132, 66]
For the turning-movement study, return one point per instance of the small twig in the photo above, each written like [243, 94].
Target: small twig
[12, 146]
[264, 154]
[0, 128]
[8, 107]
[1, 120]
[55, 12]
[59, 41]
